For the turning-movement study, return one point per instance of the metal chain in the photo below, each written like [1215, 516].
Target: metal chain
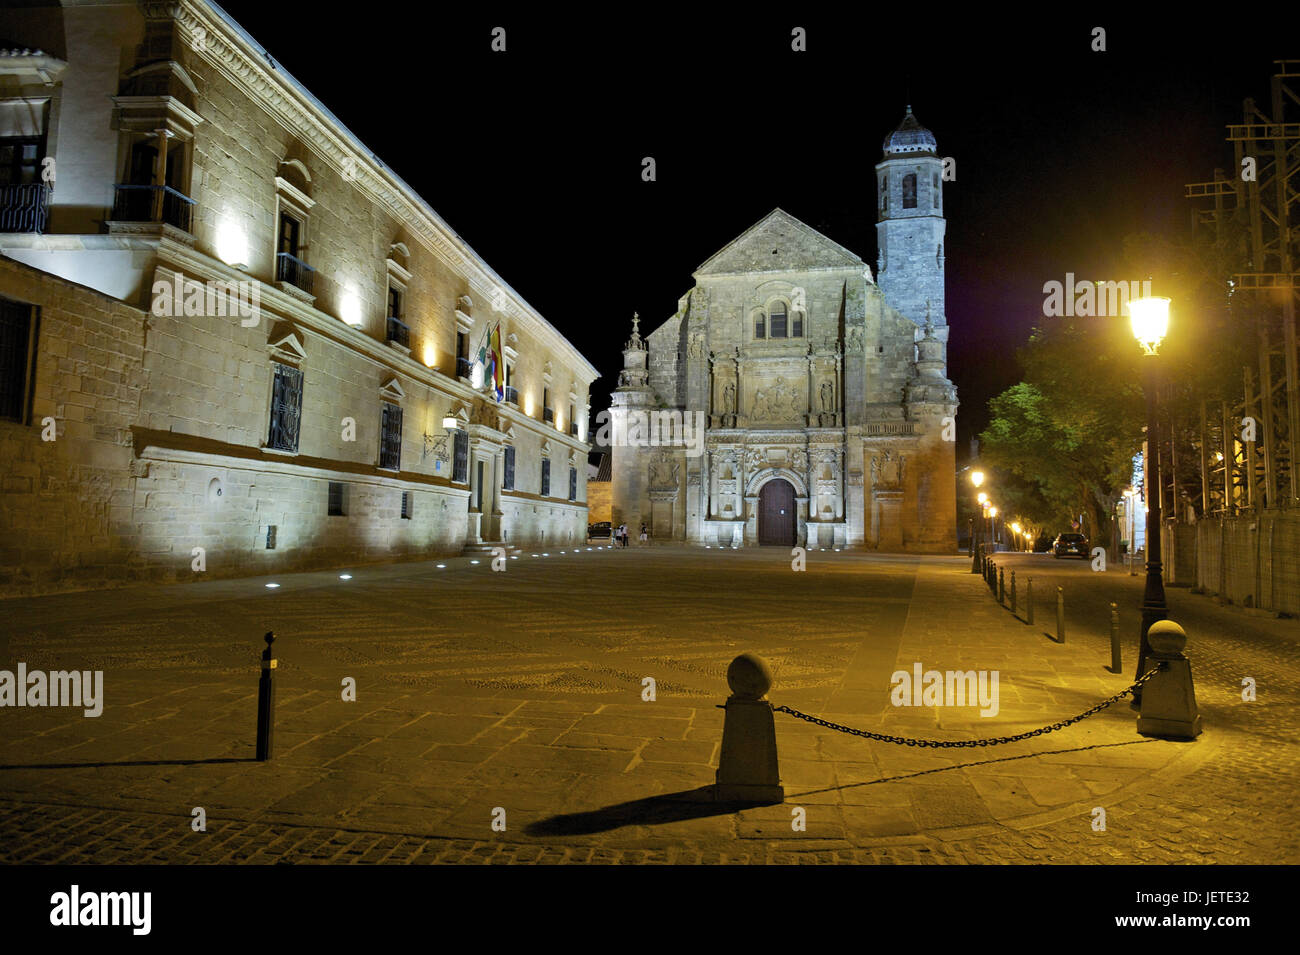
[949, 743]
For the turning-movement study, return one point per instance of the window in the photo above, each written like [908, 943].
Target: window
[289, 266]
[884, 193]
[778, 320]
[286, 408]
[406, 505]
[390, 438]
[573, 484]
[760, 325]
[573, 421]
[935, 190]
[548, 413]
[20, 160]
[546, 476]
[17, 360]
[508, 478]
[338, 499]
[460, 458]
[397, 330]
[270, 537]
[462, 355]
[909, 191]
[796, 325]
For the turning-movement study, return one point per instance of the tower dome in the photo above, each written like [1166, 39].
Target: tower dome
[910, 138]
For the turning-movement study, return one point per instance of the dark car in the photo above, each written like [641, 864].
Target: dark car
[603, 530]
[1070, 545]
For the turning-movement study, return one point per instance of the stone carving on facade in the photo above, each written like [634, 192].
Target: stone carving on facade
[665, 473]
[696, 347]
[827, 394]
[780, 402]
[887, 470]
[729, 399]
[854, 339]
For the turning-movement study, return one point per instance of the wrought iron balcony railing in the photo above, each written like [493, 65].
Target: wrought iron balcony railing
[548, 415]
[133, 203]
[398, 332]
[291, 269]
[25, 207]
[512, 394]
[573, 428]
[464, 367]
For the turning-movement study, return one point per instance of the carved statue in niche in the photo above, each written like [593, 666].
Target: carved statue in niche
[828, 396]
[696, 349]
[887, 470]
[854, 338]
[729, 399]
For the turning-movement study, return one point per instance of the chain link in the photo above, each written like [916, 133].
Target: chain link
[951, 743]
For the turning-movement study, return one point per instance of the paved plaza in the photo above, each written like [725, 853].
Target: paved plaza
[517, 697]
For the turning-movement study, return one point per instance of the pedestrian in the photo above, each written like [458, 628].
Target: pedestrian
[645, 537]
[622, 535]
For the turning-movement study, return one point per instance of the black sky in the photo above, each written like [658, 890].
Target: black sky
[534, 155]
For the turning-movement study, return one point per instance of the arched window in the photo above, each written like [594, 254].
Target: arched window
[909, 191]
[884, 193]
[760, 325]
[796, 324]
[778, 322]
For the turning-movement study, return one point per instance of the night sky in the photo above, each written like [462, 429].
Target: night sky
[534, 156]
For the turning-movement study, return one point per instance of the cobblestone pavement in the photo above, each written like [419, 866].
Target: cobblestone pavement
[479, 691]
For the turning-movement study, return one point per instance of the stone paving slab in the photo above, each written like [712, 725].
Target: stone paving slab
[429, 764]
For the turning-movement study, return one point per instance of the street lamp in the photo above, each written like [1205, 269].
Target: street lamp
[1150, 321]
[993, 527]
[976, 478]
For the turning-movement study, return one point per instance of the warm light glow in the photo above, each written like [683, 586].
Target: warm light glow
[528, 405]
[993, 512]
[1015, 528]
[1150, 320]
[977, 478]
[450, 423]
[430, 355]
[982, 498]
[231, 244]
[476, 374]
[350, 308]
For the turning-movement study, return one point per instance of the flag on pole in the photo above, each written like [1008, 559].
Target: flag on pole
[495, 364]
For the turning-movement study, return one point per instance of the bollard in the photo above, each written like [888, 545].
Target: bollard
[266, 702]
[1013, 593]
[1168, 708]
[1060, 615]
[1115, 665]
[1029, 601]
[1002, 586]
[747, 767]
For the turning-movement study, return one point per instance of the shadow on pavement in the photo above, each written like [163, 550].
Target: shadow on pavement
[139, 762]
[651, 811]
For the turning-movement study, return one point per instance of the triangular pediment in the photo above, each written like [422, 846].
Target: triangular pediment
[780, 243]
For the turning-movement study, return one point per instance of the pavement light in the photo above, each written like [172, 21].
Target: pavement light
[536, 555]
[442, 566]
[546, 555]
[514, 556]
[473, 562]
[345, 576]
[272, 586]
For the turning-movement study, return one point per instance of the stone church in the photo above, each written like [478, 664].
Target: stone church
[828, 417]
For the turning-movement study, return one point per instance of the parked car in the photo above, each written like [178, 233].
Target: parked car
[602, 530]
[1070, 545]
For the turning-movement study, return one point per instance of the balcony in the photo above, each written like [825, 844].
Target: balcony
[24, 208]
[512, 395]
[573, 428]
[291, 269]
[153, 204]
[464, 368]
[398, 332]
[548, 415]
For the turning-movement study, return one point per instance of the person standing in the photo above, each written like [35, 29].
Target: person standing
[645, 537]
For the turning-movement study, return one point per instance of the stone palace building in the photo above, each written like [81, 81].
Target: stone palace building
[828, 418]
[232, 341]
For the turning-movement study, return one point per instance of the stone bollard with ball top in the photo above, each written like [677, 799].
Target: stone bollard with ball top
[747, 768]
[1168, 707]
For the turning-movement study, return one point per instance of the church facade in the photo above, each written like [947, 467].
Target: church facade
[793, 399]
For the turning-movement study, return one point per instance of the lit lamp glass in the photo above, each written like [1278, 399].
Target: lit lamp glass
[977, 478]
[1149, 318]
[982, 498]
[450, 423]
[993, 512]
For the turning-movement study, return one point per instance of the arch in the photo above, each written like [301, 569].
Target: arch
[777, 514]
[756, 481]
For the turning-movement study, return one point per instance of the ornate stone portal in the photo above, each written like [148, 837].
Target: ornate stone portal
[805, 371]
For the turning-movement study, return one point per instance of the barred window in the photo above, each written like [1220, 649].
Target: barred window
[390, 438]
[546, 476]
[338, 499]
[778, 320]
[406, 505]
[460, 458]
[508, 479]
[286, 408]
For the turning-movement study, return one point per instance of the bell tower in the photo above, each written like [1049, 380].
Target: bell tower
[910, 225]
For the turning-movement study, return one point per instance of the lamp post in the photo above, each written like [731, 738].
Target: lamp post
[1150, 321]
[976, 478]
[993, 525]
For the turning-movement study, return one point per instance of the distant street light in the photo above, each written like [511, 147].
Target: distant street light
[1150, 321]
[977, 478]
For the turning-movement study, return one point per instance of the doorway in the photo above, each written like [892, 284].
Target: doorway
[777, 523]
